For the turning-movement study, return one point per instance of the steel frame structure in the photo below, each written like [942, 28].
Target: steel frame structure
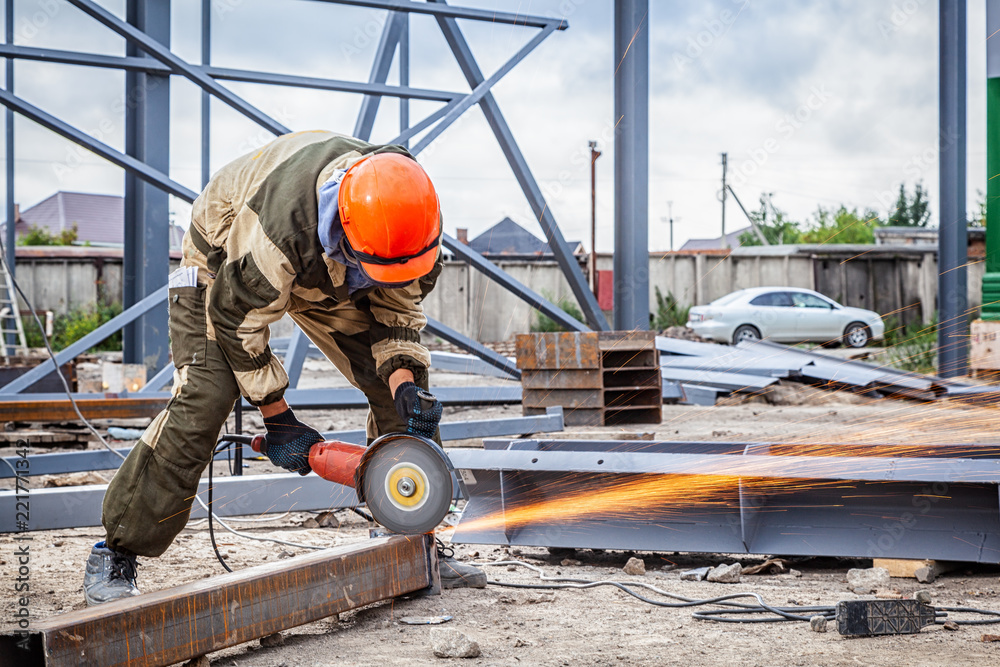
[149, 64]
[887, 501]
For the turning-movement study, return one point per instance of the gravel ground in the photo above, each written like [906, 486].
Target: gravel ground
[594, 627]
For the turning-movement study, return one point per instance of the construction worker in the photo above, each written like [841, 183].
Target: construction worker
[343, 236]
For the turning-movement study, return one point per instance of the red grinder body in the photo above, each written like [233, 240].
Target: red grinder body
[404, 480]
[332, 460]
[336, 461]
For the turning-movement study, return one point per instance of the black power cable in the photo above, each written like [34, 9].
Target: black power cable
[734, 612]
[224, 443]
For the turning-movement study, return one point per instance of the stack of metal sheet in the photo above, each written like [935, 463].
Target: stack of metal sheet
[600, 379]
[706, 371]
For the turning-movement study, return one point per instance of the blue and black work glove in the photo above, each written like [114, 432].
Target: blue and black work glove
[419, 409]
[288, 442]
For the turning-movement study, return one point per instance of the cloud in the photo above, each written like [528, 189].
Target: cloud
[726, 76]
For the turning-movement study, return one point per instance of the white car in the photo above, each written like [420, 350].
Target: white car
[784, 315]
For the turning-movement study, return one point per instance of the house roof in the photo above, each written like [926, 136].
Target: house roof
[99, 219]
[732, 241]
[509, 238]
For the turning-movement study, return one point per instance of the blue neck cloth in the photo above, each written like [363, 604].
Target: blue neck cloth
[331, 235]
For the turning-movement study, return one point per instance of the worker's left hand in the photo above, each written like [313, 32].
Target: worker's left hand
[288, 442]
[419, 409]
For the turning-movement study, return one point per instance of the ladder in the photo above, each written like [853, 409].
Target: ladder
[10, 315]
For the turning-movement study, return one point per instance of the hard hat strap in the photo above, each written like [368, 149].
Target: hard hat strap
[385, 261]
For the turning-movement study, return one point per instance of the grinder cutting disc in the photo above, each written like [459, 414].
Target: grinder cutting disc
[406, 485]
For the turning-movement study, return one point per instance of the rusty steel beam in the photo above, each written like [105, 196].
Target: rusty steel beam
[176, 624]
[62, 410]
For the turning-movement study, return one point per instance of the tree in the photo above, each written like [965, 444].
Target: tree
[773, 225]
[42, 236]
[910, 212]
[978, 219]
[842, 226]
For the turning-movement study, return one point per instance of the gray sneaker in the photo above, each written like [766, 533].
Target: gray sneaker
[109, 576]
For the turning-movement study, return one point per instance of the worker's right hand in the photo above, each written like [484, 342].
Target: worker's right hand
[288, 442]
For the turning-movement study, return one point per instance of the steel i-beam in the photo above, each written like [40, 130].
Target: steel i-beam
[176, 624]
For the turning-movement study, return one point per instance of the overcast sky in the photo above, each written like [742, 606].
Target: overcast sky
[820, 103]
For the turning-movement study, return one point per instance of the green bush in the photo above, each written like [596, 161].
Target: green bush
[41, 236]
[669, 312]
[913, 347]
[544, 323]
[71, 327]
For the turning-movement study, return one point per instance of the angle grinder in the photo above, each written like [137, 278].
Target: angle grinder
[404, 479]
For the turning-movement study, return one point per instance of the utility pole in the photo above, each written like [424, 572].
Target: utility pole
[594, 154]
[670, 217]
[724, 158]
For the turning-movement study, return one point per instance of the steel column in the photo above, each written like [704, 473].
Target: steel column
[991, 279]
[491, 110]
[631, 262]
[175, 624]
[953, 329]
[206, 97]
[147, 209]
[10, 240]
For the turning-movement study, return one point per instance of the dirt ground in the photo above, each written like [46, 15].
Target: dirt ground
[601, 626]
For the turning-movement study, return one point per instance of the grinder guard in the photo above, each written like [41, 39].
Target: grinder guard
[435, 485]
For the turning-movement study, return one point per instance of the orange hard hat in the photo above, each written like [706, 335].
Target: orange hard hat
[391, 217]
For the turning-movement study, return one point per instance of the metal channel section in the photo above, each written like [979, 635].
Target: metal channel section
[101, 459]
[176, 624]
[890, 501]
